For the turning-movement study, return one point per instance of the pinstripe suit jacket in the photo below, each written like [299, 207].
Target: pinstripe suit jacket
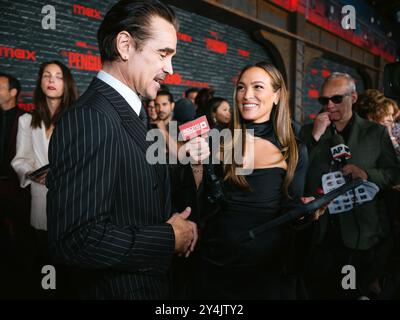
[106, 205]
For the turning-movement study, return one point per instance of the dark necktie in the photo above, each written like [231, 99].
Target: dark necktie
[143, 116]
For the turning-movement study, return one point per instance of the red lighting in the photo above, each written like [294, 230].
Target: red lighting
[216, 46]
[184, 37]
[83, 44]
[244, 53]
[313, 93]
[175, 79]
[325, 73]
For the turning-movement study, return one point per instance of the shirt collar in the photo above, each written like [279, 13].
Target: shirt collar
[9, 112]
[345, 133]
[127, 93]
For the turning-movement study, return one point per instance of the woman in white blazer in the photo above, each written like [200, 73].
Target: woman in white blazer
[55, 90]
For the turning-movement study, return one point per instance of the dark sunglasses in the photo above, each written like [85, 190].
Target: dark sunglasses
[335, 99]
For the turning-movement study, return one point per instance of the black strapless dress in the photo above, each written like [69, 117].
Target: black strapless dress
[262, 268]
[243, 211]
[253, 269]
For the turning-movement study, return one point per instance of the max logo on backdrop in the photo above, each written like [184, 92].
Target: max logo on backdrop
[49, 20]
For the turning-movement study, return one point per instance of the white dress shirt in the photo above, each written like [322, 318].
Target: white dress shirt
[127, 93]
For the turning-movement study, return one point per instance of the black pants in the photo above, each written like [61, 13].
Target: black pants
[16, 247]
[324, 272]
[64, 275]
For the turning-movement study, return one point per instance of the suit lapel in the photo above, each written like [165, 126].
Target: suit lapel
[130, 121]
[354, 135]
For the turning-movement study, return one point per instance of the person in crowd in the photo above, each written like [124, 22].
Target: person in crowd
[164, 104]
[218, 113]
[191, 94]
[15, 233]
[109, 211]
[396, 126]
[374, 106]
[185, 192]
[349, 238]
[151, 111]
[260, 268]
[387, 119]
[202, 99]
[55, 91]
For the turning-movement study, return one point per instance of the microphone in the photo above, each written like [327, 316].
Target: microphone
[340, 152]
[191, 130]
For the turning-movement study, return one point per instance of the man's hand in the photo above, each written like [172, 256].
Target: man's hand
[321, 122]
[185, 231]
[317, 213]
[356, 172]
[198, 149]
[397, 187]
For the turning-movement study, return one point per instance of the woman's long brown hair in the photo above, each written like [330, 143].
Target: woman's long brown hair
[42, 111]
[282, 126]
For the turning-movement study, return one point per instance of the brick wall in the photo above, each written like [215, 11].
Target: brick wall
[209, 53]
[21, 31]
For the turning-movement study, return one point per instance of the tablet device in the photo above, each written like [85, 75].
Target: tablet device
[39, 172]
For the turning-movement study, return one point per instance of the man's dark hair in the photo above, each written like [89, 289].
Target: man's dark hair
[190, 90]
[201, 100]
[13, 83]
[163, 87]
[134, 17]
[166, 93]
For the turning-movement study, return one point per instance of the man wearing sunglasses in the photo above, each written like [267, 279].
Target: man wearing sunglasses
[349, 238]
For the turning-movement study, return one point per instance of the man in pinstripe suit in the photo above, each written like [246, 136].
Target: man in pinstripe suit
[108, 208]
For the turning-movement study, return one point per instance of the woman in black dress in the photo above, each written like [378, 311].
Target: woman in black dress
[276, 164]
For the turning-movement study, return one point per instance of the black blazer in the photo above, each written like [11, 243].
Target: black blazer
[106, 205]
[9, 183]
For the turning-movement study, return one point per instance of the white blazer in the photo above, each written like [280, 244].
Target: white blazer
[31, 154]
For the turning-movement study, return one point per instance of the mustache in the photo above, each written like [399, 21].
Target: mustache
[161, 76]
